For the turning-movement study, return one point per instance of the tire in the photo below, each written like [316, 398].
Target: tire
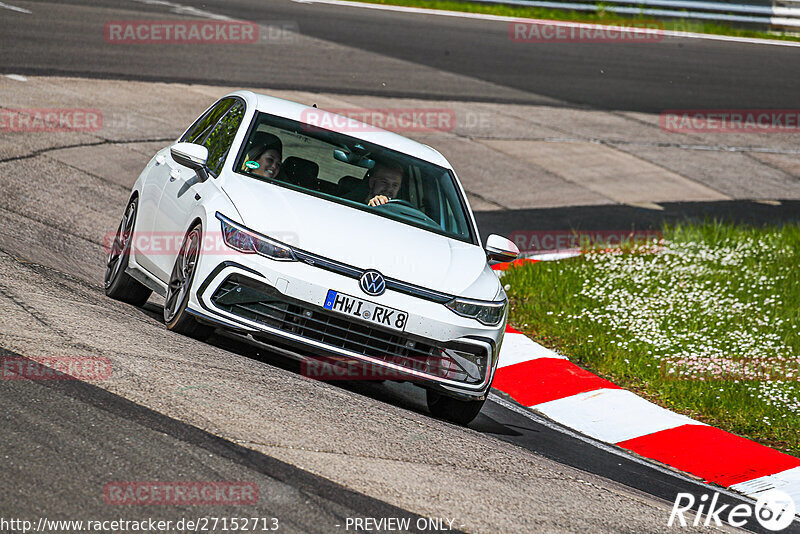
[180, 284]
[118, 284]
[456, 411]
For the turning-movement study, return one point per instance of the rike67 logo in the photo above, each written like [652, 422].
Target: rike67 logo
[774, 510]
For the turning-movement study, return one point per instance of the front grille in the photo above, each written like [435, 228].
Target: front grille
[253, 300]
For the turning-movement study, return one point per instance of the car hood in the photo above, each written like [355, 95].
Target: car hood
[363, 239]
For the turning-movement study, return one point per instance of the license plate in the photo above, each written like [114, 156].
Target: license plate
[364, 309]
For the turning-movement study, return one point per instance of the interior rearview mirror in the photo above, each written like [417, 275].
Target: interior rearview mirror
[353, 159]
[498, 248]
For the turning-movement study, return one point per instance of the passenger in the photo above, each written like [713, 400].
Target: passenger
[267, 153]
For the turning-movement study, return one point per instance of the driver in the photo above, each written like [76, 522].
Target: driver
[384, 182]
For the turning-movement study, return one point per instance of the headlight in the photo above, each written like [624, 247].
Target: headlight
[247, 241]
[488, 313]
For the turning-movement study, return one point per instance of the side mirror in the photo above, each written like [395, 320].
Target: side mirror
[499, 248]
[192, 156]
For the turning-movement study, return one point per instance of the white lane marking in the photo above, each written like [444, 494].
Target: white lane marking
[277, 32]
[17, 77]
[518, 348]
[612, 415]
[15, 8]
[482, 16]
[180, 9]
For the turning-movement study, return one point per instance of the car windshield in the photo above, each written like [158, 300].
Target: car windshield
[349, 171]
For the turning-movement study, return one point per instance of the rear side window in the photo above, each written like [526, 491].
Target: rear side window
[219, 140]
[202, 126]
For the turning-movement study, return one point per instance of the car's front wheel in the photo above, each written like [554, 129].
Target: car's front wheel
[180, 284]
[460, 412]
[118, 284]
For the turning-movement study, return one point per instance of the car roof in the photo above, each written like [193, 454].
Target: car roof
[300, 112]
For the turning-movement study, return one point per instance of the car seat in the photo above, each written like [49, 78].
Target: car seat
[301, 172]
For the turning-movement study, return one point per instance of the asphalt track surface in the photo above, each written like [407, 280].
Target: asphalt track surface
[62, 440]
[676, 73]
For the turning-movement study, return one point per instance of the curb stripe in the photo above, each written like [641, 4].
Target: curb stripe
[519, 262]
[713, 454]
[518, 348]
[612, 415]
[547, 382]
[787, 481]
[546, 379]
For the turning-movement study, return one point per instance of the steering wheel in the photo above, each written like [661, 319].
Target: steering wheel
[417, 213]
[401, 202]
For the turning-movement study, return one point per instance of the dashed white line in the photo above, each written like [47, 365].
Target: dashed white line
[16, 77]
[15, 8]
[180, 9]
[567, 24]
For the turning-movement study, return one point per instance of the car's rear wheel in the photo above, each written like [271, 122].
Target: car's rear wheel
[460, 412]
[118, 284]
[180, 284]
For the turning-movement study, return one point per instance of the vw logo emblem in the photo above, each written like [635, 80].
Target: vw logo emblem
[372, 283]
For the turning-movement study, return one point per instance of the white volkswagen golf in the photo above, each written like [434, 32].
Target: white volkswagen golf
[322, 236]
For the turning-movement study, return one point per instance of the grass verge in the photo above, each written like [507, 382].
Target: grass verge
[600, 17]
[707, 326]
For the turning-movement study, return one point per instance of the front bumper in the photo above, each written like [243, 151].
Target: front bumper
[283, 301]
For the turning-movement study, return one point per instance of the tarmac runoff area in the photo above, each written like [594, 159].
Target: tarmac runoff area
[509, 157]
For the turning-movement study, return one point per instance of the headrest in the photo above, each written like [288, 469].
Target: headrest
[301, 171]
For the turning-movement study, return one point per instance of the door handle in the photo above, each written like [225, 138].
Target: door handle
[174, 175]
[160, 159]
